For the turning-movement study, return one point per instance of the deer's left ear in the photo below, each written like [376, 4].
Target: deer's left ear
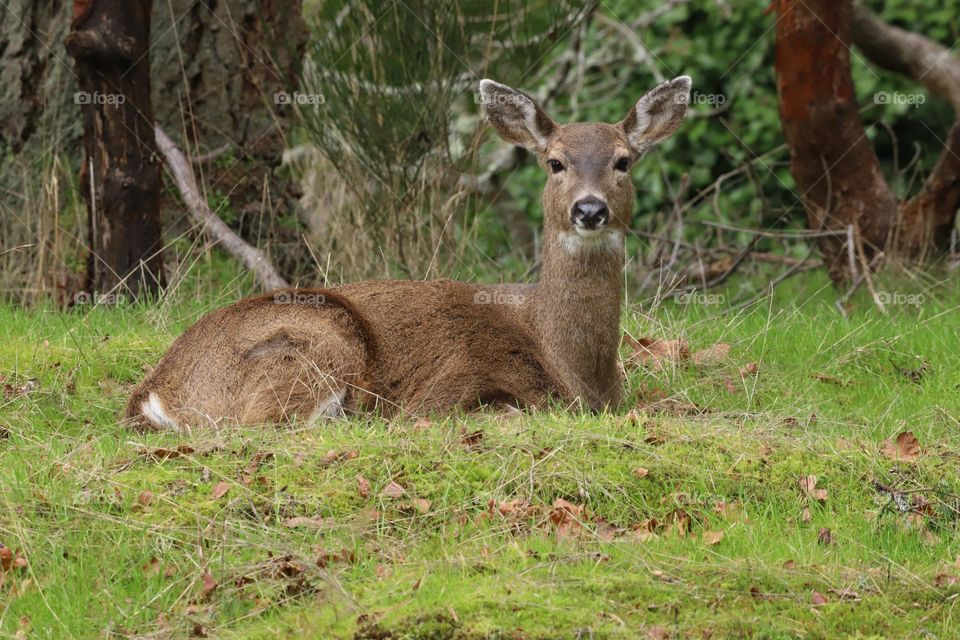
[657, 115]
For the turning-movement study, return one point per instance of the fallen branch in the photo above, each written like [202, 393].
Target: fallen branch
[251, 257]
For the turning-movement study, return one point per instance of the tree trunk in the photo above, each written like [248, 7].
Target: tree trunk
[121, 174]
[832, 161]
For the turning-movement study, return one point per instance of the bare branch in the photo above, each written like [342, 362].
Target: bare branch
[910, 54]
[250, 256]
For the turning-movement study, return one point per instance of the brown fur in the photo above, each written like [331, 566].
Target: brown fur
[436, 345]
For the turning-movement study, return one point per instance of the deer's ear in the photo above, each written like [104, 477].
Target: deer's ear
[516, 117]
[657, 115]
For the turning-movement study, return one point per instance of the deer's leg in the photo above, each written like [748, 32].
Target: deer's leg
[307, 374]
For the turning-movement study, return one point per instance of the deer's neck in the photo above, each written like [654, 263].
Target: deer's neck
[577, 313]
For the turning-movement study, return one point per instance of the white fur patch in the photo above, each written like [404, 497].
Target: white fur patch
[602, 239]
[332, 407]
[153, 411]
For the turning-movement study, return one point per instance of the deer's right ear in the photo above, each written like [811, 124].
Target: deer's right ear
[516, 117]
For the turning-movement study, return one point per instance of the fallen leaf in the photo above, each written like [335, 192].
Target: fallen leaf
[749, 369]
[151, 567]
[817, 599]
[640, 472]
[363, 486]
[805, 515]
[905, 447]
[711, 538]
[382, 571]
[145, 498]
[163, 453]
[470, 439]
[825, 536]
[306, 522]
[209, 585]
[808, 484]
[332, 456]
[656, 352]
[422, 424]
[567, 517]
[219, 490]
[789, 565]
[421, 505]
[6, 558]
[846, 594]
[658, 633]
[392, 491]
[717, 354]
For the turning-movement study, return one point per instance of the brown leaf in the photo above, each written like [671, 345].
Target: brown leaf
[306, 522]
[749, 369]
[421, 505]
[808, 484]
[655, 352]
[825, 536]
[817, 599]
[151, 567]
[209, 585]
[470, 439]
[6, 558]
[382, 571]
[658, 633]
[422, 424]
[219, 490]
[363, 486]
[711, 538]
[567, 517]
[392, 491]
[805, 515]
[640, 472]
[716, 354]
[790, 565]
[162, 453]
[333, 456]
[145, 498]
[905, 447]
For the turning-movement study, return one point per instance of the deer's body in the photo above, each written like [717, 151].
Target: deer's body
[438, 345]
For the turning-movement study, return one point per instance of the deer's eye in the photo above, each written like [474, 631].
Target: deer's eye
[555, 166]
[622, 164]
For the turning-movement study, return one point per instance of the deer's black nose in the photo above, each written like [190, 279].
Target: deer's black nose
[589, 213]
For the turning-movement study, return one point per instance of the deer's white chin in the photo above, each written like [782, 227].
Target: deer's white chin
[604, 239]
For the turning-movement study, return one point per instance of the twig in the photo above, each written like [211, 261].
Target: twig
[253, 258]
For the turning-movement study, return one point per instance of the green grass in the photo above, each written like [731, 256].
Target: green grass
[118, 541]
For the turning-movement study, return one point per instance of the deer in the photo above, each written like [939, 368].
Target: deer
[439, 346]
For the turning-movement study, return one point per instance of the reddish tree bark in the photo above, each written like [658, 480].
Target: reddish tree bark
[831, 159]
[121, 172]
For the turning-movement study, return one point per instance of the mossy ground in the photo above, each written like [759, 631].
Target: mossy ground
[127, 535]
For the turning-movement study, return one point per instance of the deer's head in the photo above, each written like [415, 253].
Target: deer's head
[588, 198]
